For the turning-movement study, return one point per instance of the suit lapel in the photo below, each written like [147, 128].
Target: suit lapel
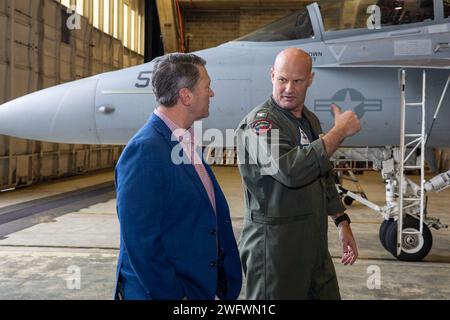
[162, 128]
[197, 181]
[216, 187]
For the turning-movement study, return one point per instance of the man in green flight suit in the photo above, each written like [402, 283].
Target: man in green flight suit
[289, 189]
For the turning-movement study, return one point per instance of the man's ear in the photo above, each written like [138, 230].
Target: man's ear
[185, 96]
[311, 78]
[272, 74]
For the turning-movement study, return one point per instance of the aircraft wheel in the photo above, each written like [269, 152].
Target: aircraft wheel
[383, 230]
[415, 247]
[348, 201]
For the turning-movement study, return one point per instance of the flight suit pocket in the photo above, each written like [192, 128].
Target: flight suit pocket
[291, 203]
[280, 220]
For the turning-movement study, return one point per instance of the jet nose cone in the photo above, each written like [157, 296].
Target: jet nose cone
[64, 114]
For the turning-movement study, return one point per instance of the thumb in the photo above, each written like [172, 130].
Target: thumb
[336, 109]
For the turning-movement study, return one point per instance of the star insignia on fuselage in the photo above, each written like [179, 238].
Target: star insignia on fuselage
[349, 99]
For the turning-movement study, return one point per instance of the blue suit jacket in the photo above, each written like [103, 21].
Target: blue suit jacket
[170, 235]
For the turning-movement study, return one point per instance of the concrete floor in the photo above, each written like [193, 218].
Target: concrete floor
[70, 251]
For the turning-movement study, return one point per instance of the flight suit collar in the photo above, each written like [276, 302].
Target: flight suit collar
[275, 105]
[305, 114]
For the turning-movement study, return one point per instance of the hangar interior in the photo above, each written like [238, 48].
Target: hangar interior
[48, 42]
[39, 51]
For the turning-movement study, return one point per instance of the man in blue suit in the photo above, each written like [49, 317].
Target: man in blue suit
[177, 240]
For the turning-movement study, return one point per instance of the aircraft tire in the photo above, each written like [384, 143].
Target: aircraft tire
[414, 247]
[383, 229]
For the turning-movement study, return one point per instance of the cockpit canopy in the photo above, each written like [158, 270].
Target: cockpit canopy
[294, 26]
[340, 15]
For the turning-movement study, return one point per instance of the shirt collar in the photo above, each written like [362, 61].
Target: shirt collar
[180, 134]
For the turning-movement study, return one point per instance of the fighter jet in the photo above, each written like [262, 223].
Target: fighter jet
[356, 61]
[359, 50]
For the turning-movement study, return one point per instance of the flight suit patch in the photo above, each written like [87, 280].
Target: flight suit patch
[262, 114]
[261, 126]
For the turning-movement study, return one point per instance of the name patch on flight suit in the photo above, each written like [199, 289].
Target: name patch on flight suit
[261, 114]
[261, 126]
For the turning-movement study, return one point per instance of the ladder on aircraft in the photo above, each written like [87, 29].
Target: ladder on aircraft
[409, 143]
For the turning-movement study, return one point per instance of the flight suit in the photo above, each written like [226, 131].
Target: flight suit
[284, 246]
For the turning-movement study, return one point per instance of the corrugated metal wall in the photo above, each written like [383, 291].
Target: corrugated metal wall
[37, 51]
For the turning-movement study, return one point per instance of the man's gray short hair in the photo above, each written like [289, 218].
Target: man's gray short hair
[173, 72]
